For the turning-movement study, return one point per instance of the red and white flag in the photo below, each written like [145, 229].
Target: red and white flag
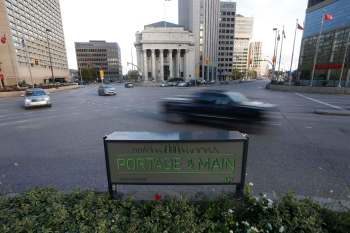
[328, 17]
[3, 38]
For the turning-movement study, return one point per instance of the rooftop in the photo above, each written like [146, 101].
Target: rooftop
[164, 24]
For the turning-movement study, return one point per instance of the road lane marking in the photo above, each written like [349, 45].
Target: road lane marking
[319, 102]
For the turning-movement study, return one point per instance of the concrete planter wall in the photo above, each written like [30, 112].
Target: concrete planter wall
[308, 89]
[19, 93]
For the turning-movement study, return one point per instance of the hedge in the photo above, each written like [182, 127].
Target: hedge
[49, 211]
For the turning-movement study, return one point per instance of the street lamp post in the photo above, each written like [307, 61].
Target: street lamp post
[48, 45]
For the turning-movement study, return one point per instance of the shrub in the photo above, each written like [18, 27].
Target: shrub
[46, 210]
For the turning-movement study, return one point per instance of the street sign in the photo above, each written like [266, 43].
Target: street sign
[102, 74]
[144, 158]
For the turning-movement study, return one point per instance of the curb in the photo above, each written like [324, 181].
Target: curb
[332, 112]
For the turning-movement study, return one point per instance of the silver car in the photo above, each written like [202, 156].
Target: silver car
[36, 98]
[105, 89]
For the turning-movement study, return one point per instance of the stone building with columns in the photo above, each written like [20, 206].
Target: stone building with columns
[165, 51]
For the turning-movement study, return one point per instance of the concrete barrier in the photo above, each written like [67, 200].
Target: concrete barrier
[308, 89]
[52, 90]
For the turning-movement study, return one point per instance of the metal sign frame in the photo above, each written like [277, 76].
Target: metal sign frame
[112, 187]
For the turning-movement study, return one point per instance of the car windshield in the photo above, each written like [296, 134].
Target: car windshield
[35, 93]
[237, 97]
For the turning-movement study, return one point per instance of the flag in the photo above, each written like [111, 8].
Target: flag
[328, 17]
[3, 39]
[300, 27]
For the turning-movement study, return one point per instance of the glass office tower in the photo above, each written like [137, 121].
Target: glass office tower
[332, 46]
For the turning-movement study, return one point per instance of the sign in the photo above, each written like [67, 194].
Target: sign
[176, 159]
[102, 74]
[328, 66]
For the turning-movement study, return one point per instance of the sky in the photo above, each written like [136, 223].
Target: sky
[119, 20]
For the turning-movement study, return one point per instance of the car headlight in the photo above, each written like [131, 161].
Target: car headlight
[27, 101]
[47, 99]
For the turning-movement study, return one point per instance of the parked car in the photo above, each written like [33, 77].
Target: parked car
[164, 84]
[36, 97]
[106, 90]
[222, 106]
[129, 85]
[183, 84]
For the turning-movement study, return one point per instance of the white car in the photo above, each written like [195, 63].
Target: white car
[36, 97]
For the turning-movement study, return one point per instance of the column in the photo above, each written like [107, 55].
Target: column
[154, 74]
[185, 69]
[145, 65]
[170, 54]
[178, 64]
[161, 54]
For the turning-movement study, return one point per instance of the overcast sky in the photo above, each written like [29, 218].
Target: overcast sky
[118, 20]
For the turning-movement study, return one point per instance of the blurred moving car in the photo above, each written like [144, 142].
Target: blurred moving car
[106, 90]
[129, 85]
[214, 106]
[36, 97]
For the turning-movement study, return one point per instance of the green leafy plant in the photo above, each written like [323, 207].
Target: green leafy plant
[47, 210]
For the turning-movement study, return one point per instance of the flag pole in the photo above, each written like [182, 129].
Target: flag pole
[316, 55]
[344, 60]
[291, 62]
[274, 55]
[280, 59]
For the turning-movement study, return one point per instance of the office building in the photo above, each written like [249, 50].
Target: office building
[255, 60]
[100, 55]
[201, 17]
[332, 44]
[226, 39]
[243, 35]
[32, 40]
[165, 51]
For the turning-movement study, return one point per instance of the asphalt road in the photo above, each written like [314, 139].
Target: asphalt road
[62, 147]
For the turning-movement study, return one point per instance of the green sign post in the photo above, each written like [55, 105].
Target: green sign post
[176, 159]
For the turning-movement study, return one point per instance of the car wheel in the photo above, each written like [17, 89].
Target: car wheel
[175, 118]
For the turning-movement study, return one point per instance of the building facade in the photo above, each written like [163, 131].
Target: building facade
[202, 17]
[243, 35]
[332, 45]
[226, 39]
[32, 35]
[100, 55]
[165, 51]
[255, 60]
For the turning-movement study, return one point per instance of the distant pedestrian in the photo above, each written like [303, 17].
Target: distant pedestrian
[2, 79]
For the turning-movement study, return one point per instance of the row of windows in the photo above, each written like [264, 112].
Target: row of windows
[229, 25]
[227, 19]
[226, 31]
[228, 13]
[91, 50]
